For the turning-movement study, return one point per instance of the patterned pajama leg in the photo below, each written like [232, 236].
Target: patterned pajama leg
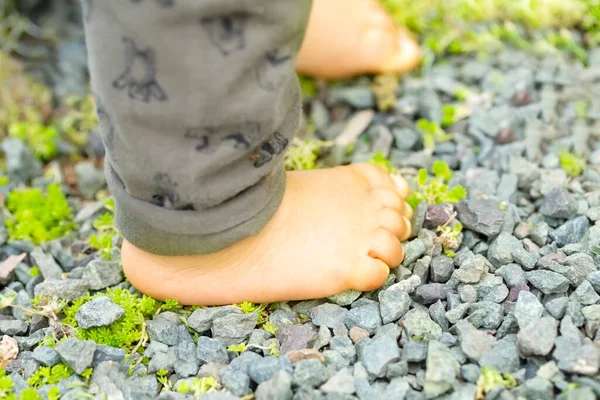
[197, 101]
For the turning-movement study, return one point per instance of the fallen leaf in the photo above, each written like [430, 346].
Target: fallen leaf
[7, 266]
[299, 355]
[9, 348]
[355, 127]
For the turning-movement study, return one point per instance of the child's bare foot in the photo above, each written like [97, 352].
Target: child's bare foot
[336, 229]
[352, 37]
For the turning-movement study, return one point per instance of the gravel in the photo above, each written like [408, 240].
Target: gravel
[101, 311]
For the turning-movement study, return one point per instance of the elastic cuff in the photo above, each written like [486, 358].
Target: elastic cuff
[144, 224]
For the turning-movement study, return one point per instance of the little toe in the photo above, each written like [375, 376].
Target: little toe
[407, 211]
[386, 247]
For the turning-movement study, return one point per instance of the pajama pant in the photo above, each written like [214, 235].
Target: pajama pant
[197, 102]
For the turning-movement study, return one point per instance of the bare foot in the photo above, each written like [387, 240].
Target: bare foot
[352, 37]
[336, 229]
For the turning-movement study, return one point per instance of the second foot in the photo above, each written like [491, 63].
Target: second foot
[336, 229]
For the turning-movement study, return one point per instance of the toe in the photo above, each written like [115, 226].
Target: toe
[401, 185]
[394, 222]
[390, 198]
[386, 247]
[369, 274]
[374, 174]
[406, 57]
[407, 211]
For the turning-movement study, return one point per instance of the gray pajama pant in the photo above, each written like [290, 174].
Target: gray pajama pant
[197, 102]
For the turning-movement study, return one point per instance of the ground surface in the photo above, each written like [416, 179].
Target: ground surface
[498, 297]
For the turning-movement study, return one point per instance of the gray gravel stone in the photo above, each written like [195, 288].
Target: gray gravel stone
[46, 356]
[429, 293]
[262, 369]
[13, 327]
[201, 320]
[556, 305]
[537, 338]
[279, 387]
[418, 324]
[442, 370]
[344, 346]
[366, 317]
[329, 315]
[558, 203]
[309, 372]
[503, 357]
[323, 337]
[412, 251]
[437, 215]
[473, 342]
[584, 360]
[512, 274]
[500, 251]
[101, 274]
[470, 372]
[472, 270]
[455, 314]
[233, 328]
[540, 233]
[345, 298]
[585, 294]
[238, 383]
[528, 309]
[107, 353]
[548, 282]
[49, 269]
[165, 361]
[442, 268]
[414, 351]
[581, 266]
[341, 382]
[101, 311]
[67, 289]
[378, 354]
[535, 388]
[524, 258]
[393, 304]
[296, 337]
[77, 354]
[163, 329]
[481, 216]
[211, 350]
[594, 279]
[571, 231]
[89, 179]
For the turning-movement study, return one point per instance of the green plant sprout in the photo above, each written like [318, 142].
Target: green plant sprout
[308, 87]
[7, 392]
[384, 88]
[303, 154]
[490, 379]
[261, 310]
[451, 114]
[198, 386]
[581, 109]
[163, 379]
[380, 160]
[432, 134]
[4, 180]
[571, 163]
[41, 139]
[105, 225]
[77, 118]
[270, 327]
[34, 271]
[242, 347]
[38, 217]
[435, 190]
[448, 236]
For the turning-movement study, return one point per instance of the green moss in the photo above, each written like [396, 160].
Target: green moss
[126, 330]
[198, 386]
[308, 87]
[34, 271]
[49, 376]
[571, 163]
[39, 217]
[303, 154]
[434, 190]
[490, 379]
[41, 139]
[105, 225]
